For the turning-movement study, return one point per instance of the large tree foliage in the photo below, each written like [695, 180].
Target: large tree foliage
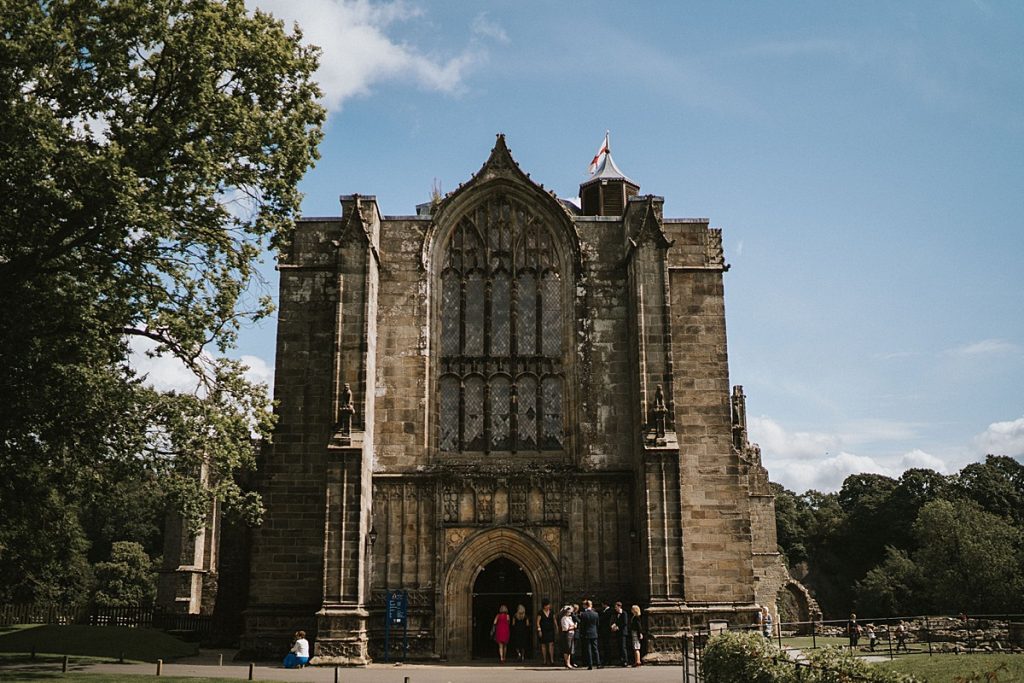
[924, 542]
[149, 154]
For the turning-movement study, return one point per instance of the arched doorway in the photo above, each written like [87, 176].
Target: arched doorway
[502, 582]
[473, 559]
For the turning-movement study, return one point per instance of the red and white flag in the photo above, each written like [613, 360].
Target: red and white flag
[600, 152]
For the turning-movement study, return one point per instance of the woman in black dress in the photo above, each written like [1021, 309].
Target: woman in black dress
[520, 633]
[546, 632]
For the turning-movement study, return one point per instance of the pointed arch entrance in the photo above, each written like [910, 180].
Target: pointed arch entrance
[493, 550]
[501, 582]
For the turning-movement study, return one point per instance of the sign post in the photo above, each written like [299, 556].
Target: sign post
[396, 613]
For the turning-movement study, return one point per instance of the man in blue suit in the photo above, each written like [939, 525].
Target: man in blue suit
[589, 621]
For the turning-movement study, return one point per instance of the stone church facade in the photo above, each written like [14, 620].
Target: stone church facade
[500, 399]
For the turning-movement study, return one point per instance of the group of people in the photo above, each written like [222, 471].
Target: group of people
[587, 635]
[855, 630]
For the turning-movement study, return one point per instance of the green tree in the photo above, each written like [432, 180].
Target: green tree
[997, 485]
[149, 154]
[971, 560]
[127, 579]
[893, 588]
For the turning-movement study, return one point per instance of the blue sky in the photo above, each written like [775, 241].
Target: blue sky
[865, 161]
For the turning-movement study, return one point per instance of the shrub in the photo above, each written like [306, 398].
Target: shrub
[749, 657]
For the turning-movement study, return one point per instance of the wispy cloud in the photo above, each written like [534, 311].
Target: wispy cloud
[358, 52]
[787, 48]
[484, 27]
[986, 347]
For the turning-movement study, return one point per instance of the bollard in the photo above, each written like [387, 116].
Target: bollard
[64, 665]
[251, 668]
[686, 658]
[121, 661]
[406, 679]
[159, 666]
[220, 659]
[336, 679]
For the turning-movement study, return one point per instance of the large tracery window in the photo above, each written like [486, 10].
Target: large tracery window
[502, 313]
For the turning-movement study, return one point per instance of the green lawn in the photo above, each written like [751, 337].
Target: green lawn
[946, 667]
[806, 642]
[136, 644]
[34, 677]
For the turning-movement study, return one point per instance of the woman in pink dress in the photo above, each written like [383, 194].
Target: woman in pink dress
[502, 631]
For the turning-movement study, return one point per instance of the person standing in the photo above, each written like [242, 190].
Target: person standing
[901, 637]
[546, 632]
[636, 634]
[577, 646]
[619, 628]
[568, 628]
[853, 630]
[502, 631]
[766, 623]
[298, 656]
[590, 622]
[520, 633]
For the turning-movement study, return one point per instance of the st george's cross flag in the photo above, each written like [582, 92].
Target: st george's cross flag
[600, 152]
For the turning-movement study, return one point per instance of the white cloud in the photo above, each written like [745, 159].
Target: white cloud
[986, 347]
[485, 28]
[818, 460]
[357, 52]
[774, 438]
[163, 373]
[919, 459]
[167, 373]
[1002, 438]
[259, 370]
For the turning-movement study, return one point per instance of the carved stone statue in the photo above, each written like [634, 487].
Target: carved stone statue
[658, 412]
[346, 411]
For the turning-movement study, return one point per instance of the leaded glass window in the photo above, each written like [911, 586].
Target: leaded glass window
[502, 328]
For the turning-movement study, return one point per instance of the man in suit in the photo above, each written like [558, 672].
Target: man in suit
[589, 623]
[619, 626]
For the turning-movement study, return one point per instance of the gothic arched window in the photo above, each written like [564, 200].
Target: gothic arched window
[502, 314]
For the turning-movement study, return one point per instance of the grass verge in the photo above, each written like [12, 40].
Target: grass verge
[136, 644]
[947, 668]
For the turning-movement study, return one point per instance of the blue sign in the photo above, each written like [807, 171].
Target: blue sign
[398, 607]
[396, 613]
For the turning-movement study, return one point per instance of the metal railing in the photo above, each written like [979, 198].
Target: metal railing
[924, 635]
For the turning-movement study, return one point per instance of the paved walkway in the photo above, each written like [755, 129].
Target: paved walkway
[206, 665]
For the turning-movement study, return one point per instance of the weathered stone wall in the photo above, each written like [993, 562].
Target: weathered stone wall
[661, 511]
[715, 511]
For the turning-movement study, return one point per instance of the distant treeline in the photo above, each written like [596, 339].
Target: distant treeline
[924, 543]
